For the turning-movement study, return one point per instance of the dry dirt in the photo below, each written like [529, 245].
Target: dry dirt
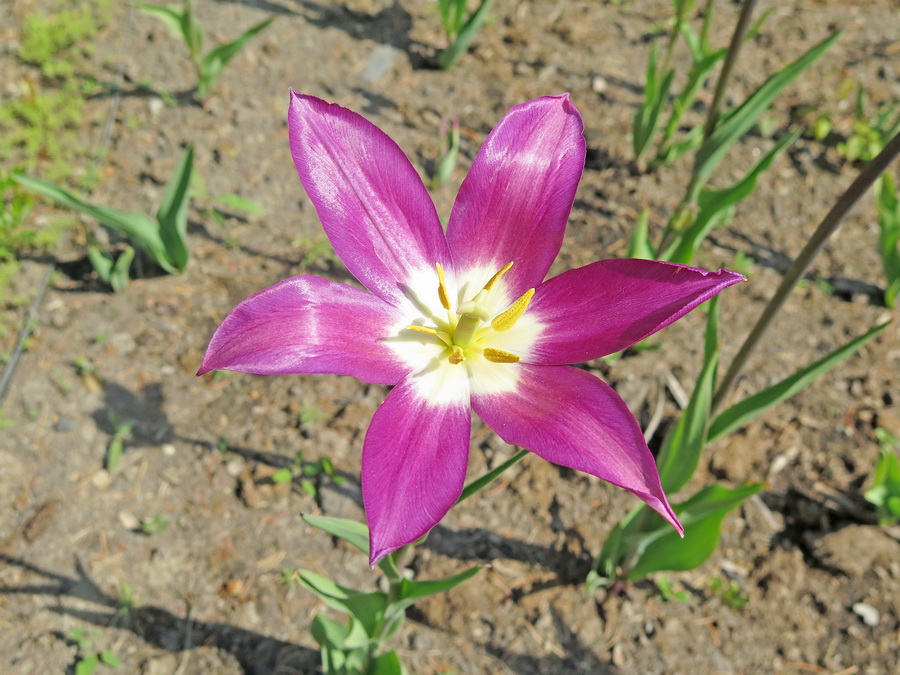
[207, 596]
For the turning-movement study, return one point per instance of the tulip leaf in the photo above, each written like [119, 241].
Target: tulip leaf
[387, 664]
[342, 528]
[480, 482]
[214, 62]
[740, 413]
[715, 206]
[413, 591]
[639, 245]
[735, 123]
[136, 226]
[112, 272]
[367, 608]
[172, 17]
[889, 235]
[656, 92]
[662, 549]
[466, 34]
[681, 449]
[172, 212]
[603, 572]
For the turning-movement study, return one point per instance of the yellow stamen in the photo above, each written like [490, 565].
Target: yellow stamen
[500, 356]
[423, 329]
[508, 319]
[441, 335]
[458, 355]
[442, 287]
[494, 279]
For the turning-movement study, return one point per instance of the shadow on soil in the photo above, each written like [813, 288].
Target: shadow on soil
[257, 654]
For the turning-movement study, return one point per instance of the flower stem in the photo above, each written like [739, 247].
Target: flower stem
[737, 39]
[828, 226]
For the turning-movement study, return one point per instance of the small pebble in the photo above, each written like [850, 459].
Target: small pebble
[129, 520]
[599, 84]
[168, 449]
[64, 424]
[869, 615]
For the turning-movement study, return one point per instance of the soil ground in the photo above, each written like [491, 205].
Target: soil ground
[821, 578]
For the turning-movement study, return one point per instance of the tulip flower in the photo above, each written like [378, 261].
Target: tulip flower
[461, 320]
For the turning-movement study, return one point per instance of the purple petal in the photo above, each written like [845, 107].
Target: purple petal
[571, 418]
[413, 467]
[308, 325]
[514, 204]
[609, 305]
[372, 203]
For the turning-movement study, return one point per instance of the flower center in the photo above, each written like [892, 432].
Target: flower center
[468, 330]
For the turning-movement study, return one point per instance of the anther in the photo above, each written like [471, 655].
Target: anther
[494, 279]
[457, 356]
[508, 319]
[442, 287]
[500, 356]
[441, 335]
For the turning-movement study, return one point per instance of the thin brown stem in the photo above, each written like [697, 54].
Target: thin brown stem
[828, 226]
[737, 39]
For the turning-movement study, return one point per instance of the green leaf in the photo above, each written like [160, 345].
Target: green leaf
[639, 244]
[889, 235]
[663, 550]
[387, 664]
[604, 570]
[238, 203]
[479, 483]
[139, 228]
[367, 608]
[740, 413]
[328, 632]
[348, 530]
[413, 591]
[87, 665]
[715, 206]
[681, 449]
[737, 122]
[466, 34]
[110, 659]
[646, 119]
[215, 61]
[172, 17]
[697, 77]
[172, 212]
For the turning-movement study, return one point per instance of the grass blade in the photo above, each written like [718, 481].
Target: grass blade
[740, 413]
[215, 61]
[737, 122]
[172, 212]
[136, 226]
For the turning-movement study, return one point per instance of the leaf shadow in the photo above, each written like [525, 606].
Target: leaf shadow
[256, 653]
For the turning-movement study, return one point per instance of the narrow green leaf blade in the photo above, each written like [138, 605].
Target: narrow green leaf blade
[349, 530]
[889, 235]
[680, 453]
[172, 17]
[740, 413]
[173, 211]
[412, 591]
[714, 205]
[480, 482]
[367, 608]
[136, 226]
[216, 59]
[639, 245]
[465, 36]
[702, 515]
[737, 122]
